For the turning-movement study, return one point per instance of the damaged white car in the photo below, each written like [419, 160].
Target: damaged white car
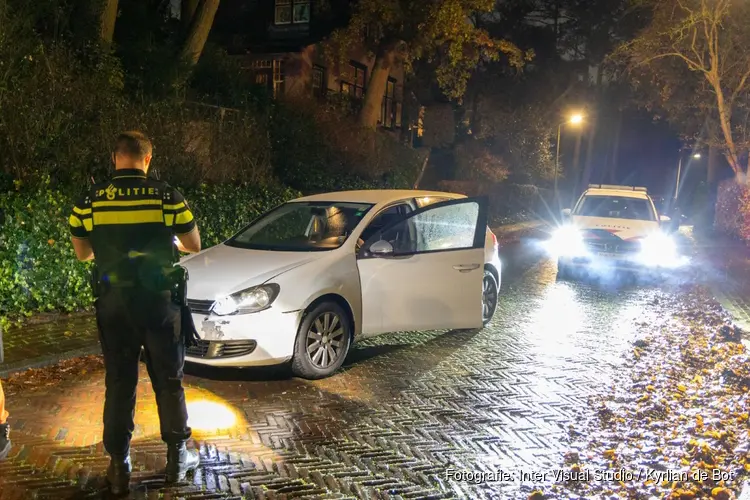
[313, 275]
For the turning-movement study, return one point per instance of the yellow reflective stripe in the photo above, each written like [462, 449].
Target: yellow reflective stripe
[185, 217]
[75, 221]
[174, 207]
[125, 203]
[127, 217]
[169, 220]
[88, 224]
[82, 211]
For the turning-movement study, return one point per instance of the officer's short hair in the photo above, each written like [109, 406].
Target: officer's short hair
[133, 144]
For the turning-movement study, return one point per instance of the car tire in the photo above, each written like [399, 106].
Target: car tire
[322, 327]
[490, 294]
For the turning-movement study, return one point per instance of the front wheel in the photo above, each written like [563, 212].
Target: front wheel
[322, 341]
[489, 297]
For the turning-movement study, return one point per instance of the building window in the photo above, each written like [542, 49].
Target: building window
[292, 12]
[355, 87]
[319, 81]
[269, 73]
[388, 109]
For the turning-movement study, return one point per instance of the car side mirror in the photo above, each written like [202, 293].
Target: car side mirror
[664, 218]
[566, 212]
[381, 248]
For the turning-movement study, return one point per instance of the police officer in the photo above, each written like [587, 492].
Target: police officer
[128, 226]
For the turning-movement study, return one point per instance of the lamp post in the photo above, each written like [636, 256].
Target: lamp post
[696, 156]
[575, 119]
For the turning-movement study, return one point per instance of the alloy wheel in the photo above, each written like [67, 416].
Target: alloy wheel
[325, 340]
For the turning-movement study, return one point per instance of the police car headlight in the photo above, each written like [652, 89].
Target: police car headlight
[659, 249]
[248, 301]
[567, 241]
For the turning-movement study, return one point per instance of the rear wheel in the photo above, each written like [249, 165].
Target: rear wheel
[322, 341]
[489, 297]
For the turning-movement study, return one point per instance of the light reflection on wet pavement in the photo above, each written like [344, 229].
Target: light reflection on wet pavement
[409, 406]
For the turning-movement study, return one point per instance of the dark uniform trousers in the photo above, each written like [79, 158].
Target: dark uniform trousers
[128, 318]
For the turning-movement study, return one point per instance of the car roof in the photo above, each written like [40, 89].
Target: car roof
[376, 196]
[627, 193]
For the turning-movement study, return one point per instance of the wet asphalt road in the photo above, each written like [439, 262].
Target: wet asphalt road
[411, 414]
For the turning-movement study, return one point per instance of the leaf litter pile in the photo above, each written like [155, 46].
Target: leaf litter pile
[39, 378]
[676, 426]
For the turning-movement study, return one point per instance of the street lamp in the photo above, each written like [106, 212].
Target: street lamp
[575, 119]
[696, 156]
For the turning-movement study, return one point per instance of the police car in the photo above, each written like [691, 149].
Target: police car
[614, 226]
[313, 275]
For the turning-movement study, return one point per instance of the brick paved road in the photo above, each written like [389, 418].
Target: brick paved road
[406, 408]
[43, 344]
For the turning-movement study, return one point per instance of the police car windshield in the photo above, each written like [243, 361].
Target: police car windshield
[616, 207]
[302, 227]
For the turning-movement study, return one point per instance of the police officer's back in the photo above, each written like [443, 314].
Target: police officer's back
[128, 225]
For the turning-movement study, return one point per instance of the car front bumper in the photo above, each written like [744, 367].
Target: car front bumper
[622, 262]
[259, 339]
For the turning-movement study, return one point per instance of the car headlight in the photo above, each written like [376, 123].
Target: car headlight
[567, 241]
[247, 301]
[659, 249]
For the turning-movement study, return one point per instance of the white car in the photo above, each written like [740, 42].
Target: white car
[306, 279]
[614, 226]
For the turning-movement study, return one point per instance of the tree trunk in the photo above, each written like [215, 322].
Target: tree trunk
[725, 120]
[187, 13]
[199, 30]
[108, 20]
[421, 171]
[712, 175]
[384, 61]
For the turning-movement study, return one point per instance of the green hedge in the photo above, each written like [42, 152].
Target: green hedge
[732, 215]
[38, 268]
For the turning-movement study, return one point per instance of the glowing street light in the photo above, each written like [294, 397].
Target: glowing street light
[575, 119]
[696, 156]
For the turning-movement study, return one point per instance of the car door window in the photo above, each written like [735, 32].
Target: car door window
[450, 227]
[384, 219]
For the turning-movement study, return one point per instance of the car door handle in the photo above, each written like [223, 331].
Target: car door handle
[465, 268]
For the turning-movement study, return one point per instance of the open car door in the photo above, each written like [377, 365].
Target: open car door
[425, 271]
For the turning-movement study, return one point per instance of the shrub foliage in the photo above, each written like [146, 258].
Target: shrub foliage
[733, 209]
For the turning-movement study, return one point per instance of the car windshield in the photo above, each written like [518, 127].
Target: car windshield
[302, 227]
[615, 207]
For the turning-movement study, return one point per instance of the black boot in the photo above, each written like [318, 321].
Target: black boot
[4, 441]
[180, 461]
[118, 475]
